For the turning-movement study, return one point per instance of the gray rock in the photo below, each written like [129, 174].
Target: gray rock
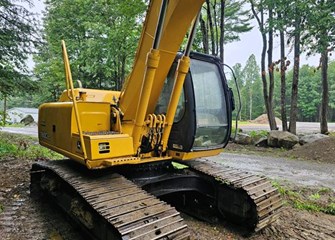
[282, 139]
[262, 142]
[243, 138]
[297, 146]
[311, 138]
[27, 120]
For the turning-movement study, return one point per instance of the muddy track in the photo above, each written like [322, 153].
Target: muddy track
[24, 218]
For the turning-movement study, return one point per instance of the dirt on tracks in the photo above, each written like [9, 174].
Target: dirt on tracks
[25, 218]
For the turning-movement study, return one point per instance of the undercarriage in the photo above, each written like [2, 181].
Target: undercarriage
[133, 202]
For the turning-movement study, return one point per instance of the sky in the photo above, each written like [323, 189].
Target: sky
[236, 52]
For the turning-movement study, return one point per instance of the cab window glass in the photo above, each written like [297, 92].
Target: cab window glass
[164, 98]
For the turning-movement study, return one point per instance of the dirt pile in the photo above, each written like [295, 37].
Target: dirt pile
[322, 150]
[263, 119]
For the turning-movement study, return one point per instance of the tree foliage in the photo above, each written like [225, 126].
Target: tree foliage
[250, 85]
[17, 38]
[221, 22]
[101, 38]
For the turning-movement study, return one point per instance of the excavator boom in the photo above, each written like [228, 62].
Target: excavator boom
[179, 16]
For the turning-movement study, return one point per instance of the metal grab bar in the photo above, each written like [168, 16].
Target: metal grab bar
[69, 86]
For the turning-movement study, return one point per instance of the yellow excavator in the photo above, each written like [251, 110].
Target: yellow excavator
[133, 153]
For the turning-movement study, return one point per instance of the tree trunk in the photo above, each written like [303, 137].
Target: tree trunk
[216, 28]
[325, 93]
[204, 34]
[222, 31]
[123, 72]
[250, 103]
[268, 106]
[295, 81]
[211, 29]
[282, 80]
[271, 114]
[4, 110]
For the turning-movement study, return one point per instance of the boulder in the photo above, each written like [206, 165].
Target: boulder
[311, 138]
[262, 142]
[27, 120]
[243, 138]
[282, 139]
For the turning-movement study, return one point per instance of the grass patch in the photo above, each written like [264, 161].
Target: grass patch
[15, 125]
[316, 200]
[179, 165]
[242, 122]
[20, 146]
[258, 134]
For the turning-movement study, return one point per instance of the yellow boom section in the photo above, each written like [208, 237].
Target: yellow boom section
[179, 16]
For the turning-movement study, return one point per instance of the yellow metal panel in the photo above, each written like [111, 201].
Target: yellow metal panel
[77, 157]
[54, 125]
[122, 161]
[57, 123]
[92, 95]
[120, 145]
[192, 155]
[94, 116]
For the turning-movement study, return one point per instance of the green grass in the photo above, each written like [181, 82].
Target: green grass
[319, 200]
[332, 134]
[178, 165]
[258, 134]
[241, 122]
[15, 125]
[20, 146]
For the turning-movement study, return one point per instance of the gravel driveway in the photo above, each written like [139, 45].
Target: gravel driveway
[300, 172]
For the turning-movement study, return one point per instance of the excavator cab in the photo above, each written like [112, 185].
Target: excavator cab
[203, 116]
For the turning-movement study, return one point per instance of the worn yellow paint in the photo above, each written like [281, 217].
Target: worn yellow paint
[192, 155]
[92, 95]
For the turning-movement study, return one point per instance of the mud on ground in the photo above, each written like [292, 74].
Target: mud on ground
[322, 150]
[23, 218]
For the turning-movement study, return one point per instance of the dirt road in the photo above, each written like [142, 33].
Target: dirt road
[29, 131]
[301, 172]
[302, 127]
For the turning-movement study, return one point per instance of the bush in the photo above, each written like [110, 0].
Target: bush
[20, 146]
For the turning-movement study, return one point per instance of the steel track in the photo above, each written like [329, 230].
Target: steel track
[265, 199]
[109, 206]
[106, 204]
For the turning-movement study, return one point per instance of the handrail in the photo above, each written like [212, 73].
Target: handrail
[69, 85]
[66, 69]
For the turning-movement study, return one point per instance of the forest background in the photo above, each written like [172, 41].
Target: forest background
[102, 38]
